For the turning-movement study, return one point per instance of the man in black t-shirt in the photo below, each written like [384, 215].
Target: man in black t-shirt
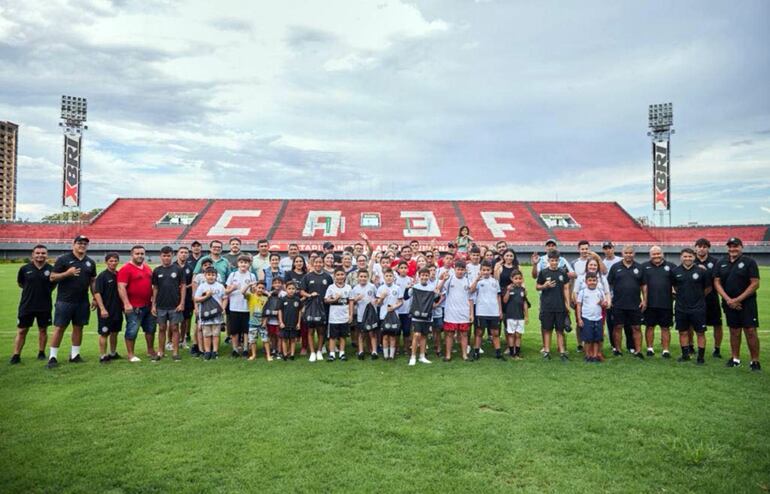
[692, 283]
[553, 285]
[34, 279]
[74, 274]
[182, 260]
[168, 294]
[736, 279]
[629, 300]
[110, 308]
[657, 272]
[713, 311]
[314, 284]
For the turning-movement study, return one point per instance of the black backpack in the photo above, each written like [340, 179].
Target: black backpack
[272, 306]
[391, 322]
[210, 309]
[371, 319]
[315, 312]
[422, 304]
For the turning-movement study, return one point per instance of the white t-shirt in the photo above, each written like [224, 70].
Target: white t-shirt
[591, 310]
[339, 313]
[472, 271]
[392, 295]
[580, 283]
[608, 263]
[217, 293]
[457, 295]
[286, 264]
[487, 293]
[238, 302]
[376, 274]
[563, 263]
[369, 293]
[438, 311]
[580, 265]
[403, 283]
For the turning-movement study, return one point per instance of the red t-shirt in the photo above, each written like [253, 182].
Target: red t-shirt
[411, 266]
[138, 280]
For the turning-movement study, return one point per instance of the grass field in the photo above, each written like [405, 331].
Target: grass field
[488, 426]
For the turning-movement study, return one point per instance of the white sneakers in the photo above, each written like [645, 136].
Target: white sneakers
[312, 357]
[412, 361]
[319, 355]
[423, 360]
[134, 359]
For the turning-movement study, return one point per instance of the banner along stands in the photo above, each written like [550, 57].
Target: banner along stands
[661, 181]
[71, 187]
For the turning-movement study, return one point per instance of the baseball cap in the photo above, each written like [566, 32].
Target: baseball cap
[81, 238]
[734, 241]
[607, 244]
[328, 245]
[550, 241]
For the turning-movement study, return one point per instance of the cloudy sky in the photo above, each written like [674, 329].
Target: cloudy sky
[393, 99]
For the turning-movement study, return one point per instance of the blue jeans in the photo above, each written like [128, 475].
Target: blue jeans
[140, 316]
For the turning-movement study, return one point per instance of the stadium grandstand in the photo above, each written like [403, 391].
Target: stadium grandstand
[523, 224]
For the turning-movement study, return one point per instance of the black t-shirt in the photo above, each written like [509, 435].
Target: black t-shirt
[736, 276]
[107, 287]
[690, 285]
[626, 283]
[36, 288]
[233, 258]
[314, 282]
[710, 263]
[659, 279]
[505, 277]
[167, 279]
[187, 272]
[552, 299]
[514, 309]
[290, 307]
[74, 289]
[295, 277]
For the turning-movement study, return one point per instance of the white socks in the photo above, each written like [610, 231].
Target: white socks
[53, 352]
[75, 351]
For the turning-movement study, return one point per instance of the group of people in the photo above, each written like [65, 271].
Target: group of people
[389, 301]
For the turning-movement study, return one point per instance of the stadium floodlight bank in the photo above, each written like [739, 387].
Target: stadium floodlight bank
[660, 122]
[74, 112]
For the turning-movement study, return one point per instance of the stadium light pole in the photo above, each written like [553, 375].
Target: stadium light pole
[660, 122]
[74, 113]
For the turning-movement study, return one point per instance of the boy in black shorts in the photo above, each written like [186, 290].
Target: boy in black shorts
[289, 315]
[340, 313]
[423, 295]
[692, 283]
[110, 308]
[553, 285]
[36, 287]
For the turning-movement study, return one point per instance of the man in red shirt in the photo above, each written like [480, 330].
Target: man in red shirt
[135, 290]
[411, 264]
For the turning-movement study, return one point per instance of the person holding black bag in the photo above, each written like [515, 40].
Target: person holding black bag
[211, 297]
[312, 289]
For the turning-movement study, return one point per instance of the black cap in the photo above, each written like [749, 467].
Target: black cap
[451, 244]
[328, 245]
[734, 241]
[551, 241]
[607, 244]
[194, 243]
[81, 238]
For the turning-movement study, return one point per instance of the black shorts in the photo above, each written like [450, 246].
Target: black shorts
[25, 320]
[110, 325]
[188, 311]
[76, 313]
[691, 320]
[713, 313]
[488, 323]
[237, 323]
[654, 316]
[406, 324]
[339, 330]
[747, 317]
[621, 317]
[288, 333]
[422, 327]
[553, 320]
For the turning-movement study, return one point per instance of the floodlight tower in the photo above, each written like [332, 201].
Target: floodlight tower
[74, 111]
[661, 121]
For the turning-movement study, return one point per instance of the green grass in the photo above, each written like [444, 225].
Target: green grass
[532, 426]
